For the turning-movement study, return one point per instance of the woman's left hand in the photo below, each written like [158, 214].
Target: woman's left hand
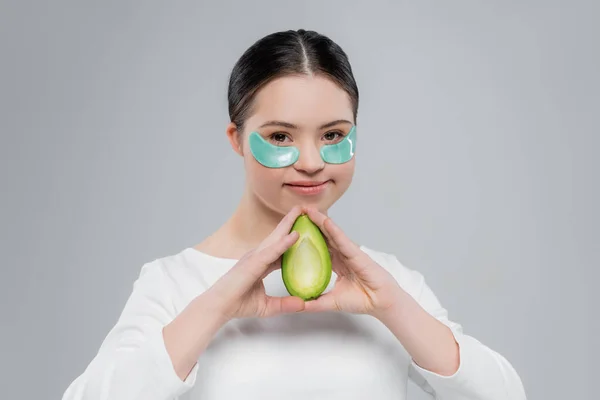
[362, 285]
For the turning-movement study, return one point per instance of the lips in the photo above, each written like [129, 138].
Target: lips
[307, 187]
[306, 183]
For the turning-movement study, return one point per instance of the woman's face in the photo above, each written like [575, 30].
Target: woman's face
[306, 112]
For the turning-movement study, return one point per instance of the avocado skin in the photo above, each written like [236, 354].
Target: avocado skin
[308, 231]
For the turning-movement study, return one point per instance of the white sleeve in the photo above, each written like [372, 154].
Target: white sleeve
[483, 374]
[132, 362]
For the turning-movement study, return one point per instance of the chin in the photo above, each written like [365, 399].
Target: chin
[321, 204]
[285, 201]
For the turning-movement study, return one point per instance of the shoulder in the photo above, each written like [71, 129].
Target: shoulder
[175, 279]
[164, 266]
[172, 271]
[411, 280]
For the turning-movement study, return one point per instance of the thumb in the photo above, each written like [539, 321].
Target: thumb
[283, 305]
[326, 302]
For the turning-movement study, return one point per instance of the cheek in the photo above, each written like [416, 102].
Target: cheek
[343, 173]
[261, 177]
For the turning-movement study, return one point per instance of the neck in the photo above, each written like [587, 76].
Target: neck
[252, 221]
[248, 226]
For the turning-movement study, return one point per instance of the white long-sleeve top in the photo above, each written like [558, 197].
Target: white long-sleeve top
[294, 357]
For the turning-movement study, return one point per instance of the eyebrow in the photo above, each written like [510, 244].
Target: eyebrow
[292, 126]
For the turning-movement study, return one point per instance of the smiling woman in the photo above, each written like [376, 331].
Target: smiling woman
[299, 123]
[216, 320]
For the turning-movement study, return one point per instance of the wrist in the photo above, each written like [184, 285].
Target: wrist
[213, 307]
[393, 309]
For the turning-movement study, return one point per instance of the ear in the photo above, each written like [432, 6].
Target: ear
[235, 138]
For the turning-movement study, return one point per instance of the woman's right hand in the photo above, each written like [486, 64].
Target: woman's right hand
[240, 293]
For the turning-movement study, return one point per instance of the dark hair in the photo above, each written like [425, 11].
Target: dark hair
[285, 53]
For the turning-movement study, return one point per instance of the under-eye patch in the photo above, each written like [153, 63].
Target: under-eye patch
[270, 155]
[341, 152]
[273, 156]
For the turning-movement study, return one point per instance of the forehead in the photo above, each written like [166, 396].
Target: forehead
[306, 101]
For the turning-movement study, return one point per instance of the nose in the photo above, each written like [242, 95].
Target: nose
[310, 160]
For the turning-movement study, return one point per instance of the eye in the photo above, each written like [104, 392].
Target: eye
[334, 136]
[278, 138]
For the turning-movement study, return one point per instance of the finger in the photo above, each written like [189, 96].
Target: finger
[283, 305]
[273, 267]
[263, 260]
[338, 263]
[253, 266]
[337, 237]
[319, 218]
[283, 227]
[323, 303]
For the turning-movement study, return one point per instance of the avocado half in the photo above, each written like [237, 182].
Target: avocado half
[306, 265]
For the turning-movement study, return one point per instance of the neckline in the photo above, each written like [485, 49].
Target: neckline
[222, 260]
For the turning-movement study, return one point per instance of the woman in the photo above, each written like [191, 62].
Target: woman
[215, 321]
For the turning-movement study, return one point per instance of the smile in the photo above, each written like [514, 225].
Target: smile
[307, 187]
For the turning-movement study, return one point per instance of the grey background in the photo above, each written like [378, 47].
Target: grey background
[477, 164]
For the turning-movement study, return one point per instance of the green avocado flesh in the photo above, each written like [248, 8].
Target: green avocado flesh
[306, 266]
